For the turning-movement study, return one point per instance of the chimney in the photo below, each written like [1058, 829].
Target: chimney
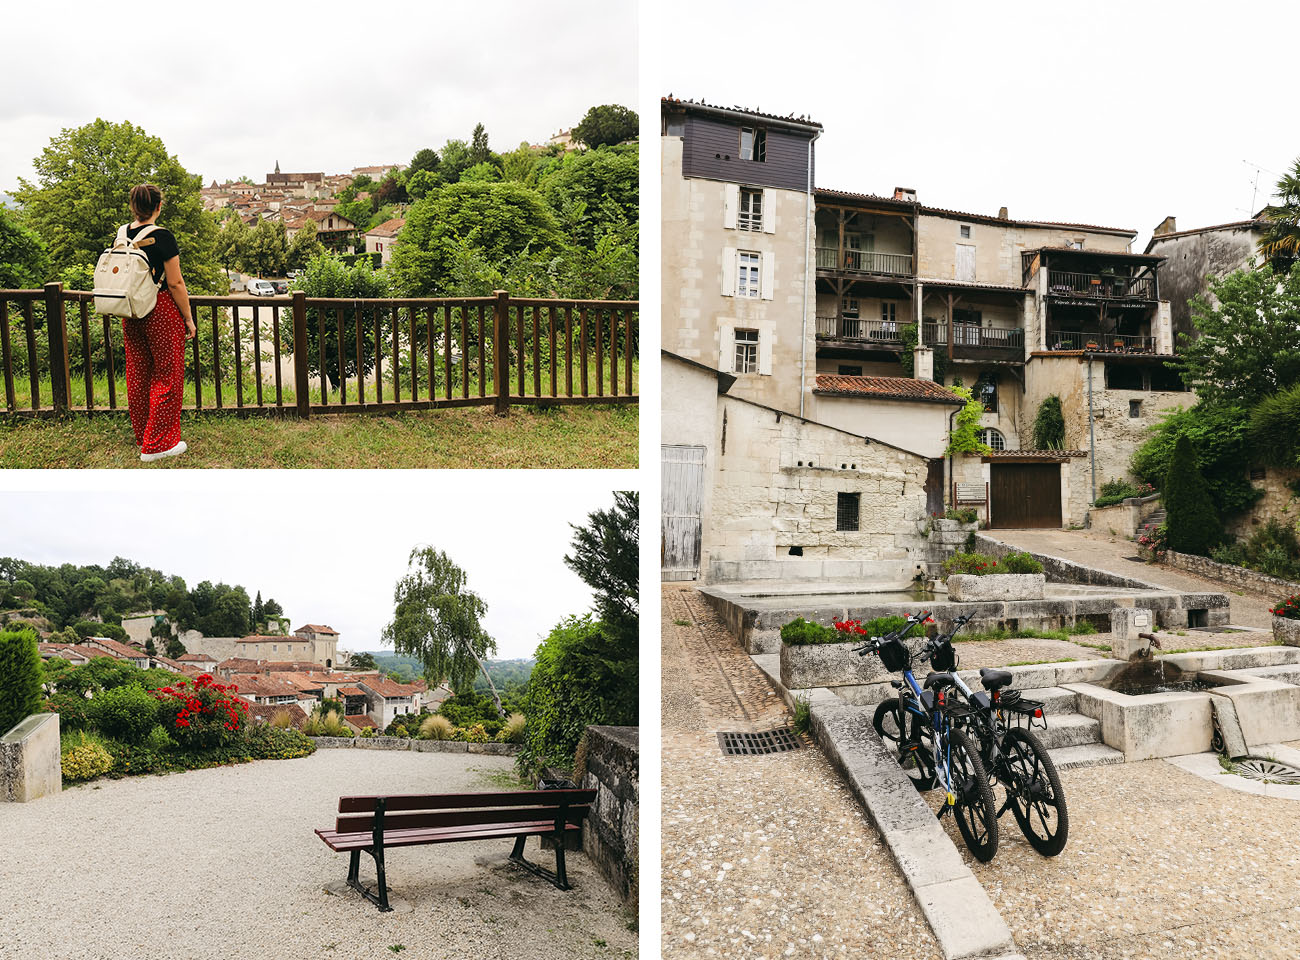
[1002, 213]
[907, 194]
[922, 362]
[1167, 225]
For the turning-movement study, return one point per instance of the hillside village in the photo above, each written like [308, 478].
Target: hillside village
[276, 672]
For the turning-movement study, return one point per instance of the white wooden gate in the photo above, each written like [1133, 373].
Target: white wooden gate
[965, 261]
[683, 497]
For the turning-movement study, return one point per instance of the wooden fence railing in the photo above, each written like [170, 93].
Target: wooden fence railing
[297, 355]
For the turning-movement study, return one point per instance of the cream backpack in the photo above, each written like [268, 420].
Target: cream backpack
[124, 283]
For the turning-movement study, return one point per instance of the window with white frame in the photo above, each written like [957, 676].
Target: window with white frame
[746, 352]
[751, 210]
[753, 144]
[747, 275]
[993, 439]
[1074, 244]
[888, 317]
[849, 308]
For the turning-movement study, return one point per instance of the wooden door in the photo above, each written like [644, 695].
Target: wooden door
[934, 488]
[683, 497]
[965, 261]
[1025, 495]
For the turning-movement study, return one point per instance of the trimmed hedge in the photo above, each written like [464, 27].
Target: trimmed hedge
[21, 676]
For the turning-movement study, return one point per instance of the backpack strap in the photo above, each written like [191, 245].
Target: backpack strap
[121, 238]
[143, 233]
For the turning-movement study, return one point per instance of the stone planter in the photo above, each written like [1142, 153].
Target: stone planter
[1286, 631]
[968, 588]
[828, 665]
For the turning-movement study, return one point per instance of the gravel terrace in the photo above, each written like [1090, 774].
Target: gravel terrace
[762, 856]
[223, 863]
[1160, 864]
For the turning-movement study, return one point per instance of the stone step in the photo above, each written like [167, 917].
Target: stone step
[1069, 730]
[1056, 700]
[1084, 755]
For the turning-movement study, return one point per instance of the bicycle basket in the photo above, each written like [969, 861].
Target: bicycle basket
[894, 654]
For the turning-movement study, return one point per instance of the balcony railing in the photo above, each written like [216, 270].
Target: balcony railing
[890, 333]
[1100, 343]
[851, 328]
[865, 261]
[1102, 287]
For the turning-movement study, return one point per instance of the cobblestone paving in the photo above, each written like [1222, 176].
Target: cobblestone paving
[762, 856]
[1160, 864]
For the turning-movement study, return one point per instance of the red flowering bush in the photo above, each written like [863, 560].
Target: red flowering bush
[1288, 608]
[203, 713]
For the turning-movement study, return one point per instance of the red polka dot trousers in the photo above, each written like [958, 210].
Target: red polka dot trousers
[155, 375]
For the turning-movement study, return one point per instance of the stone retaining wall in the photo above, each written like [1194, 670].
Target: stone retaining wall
[30, 762]
[1274, 587]
[610, 836]
[1062, 571]
[419, 746]
[1123, 519]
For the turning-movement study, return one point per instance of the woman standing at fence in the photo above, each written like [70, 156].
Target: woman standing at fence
[155, 346]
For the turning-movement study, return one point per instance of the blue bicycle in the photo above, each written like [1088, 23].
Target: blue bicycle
[923, 724]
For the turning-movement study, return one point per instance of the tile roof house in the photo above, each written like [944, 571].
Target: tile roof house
[265, 713]
[359, 722]
[389, 699]
[120, 651]
[383, 238]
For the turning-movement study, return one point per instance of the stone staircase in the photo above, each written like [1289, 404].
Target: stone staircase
[1072, 740]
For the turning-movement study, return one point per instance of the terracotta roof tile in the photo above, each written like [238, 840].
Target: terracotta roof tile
[885, 388]
[1035, 454]
[352, 691]
[361, 720]
[388, 688]
[318, 627]
[196, 658]
[388, 228]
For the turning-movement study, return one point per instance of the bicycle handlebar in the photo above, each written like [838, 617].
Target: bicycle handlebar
[872, 645]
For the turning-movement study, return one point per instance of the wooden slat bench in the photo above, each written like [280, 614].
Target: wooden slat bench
[373, 824]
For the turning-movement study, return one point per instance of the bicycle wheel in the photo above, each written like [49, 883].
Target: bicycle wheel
[906, 737]
[977, 818]
[1036, 798]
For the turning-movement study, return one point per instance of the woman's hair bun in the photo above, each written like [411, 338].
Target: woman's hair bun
[145, 198]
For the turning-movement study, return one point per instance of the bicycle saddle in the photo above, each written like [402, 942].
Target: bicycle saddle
[937, 681]
[994, 679]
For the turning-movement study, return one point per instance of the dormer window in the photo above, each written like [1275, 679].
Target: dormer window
[753, 144]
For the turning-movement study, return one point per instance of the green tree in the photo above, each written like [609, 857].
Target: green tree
[501, 220]
[267, 254]
[362, 661]
[455, 158]
[361, 182]
[965, 436]
[80, 196]
[1220, 442]
[1275, 428]
[605, 555]
[1049, 425]
[23, 261]
[606, 125]
[326, 276]
[436, 617]
[149, 647]
[520, 165]
[271, 608]
[481, 173]
[424, 159]
[304, 247]
[175, 649]
[232, 244]
[593, 192]
[392, 189]
[1282, 238]
[21, 676]
[258, 614]
[479, 151]
[421, 183]
[1248, 348]
[1193, 523]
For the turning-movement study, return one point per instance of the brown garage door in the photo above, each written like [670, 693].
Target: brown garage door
[1025, 494]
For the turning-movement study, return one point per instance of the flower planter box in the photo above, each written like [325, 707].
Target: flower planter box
[968, 588]
[828, 665]
[1286, 630]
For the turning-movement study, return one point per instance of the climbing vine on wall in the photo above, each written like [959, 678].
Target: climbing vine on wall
[1049, 425]
[906, 358]
[966, 429]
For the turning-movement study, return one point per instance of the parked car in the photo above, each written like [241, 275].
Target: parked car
[261, 288]
[281, 286]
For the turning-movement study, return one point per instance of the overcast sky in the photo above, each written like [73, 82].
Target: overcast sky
[329, 546]
[1116, 114]
[233, 87]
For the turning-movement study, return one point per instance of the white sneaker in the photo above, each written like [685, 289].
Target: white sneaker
[175, 451]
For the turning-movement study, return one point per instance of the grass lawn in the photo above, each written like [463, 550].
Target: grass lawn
[588, 437]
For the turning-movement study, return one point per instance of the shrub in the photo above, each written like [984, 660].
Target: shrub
[399, 731]
[73, 710]
[477, 734]
[853, 629]
[800, 632]
[1154, 541]
[1272, 548]
[324, 722]
[1020, 562]
[84, 757]
[1049, 425]
[368, 733]
[281, 719]
[437, 727]
[963, 515]
[513, 731]
[1221, 450]
[21, 675]
[202, 714]
[1288, 607]
[1115, 491]
[266, 742]
[1193, 522]
[125, 713]
[802, 715]
[978, 564]
[1275, 428]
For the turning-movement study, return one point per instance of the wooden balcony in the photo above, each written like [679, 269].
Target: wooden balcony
[888, 335]
[865, 261]
[1100, 343]
[1095, 286]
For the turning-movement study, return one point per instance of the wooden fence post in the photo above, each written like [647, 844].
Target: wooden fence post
[56, 327]
[302, 397]
[501, 351]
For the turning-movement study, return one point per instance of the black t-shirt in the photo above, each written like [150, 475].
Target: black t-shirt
[160, 251]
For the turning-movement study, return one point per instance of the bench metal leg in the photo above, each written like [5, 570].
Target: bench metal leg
[354, 867]
[381, 901]
[558, 878]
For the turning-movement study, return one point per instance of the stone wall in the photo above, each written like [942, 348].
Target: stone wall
[1123, 519]
[491, 748]
[1278, 502]
[1233, 576]
[775, 486]
[30, 762]
[1062, 571]
[611, 836]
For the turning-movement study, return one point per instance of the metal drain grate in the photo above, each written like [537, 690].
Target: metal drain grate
[754, 744]
[1270, 771]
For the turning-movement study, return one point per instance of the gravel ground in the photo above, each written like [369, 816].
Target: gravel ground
[223, 863]
[762, 856]
[1160, 864]
[1107, 553]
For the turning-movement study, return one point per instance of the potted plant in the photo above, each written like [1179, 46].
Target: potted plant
[813, 655]
[976, 576]
[1286, 621]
